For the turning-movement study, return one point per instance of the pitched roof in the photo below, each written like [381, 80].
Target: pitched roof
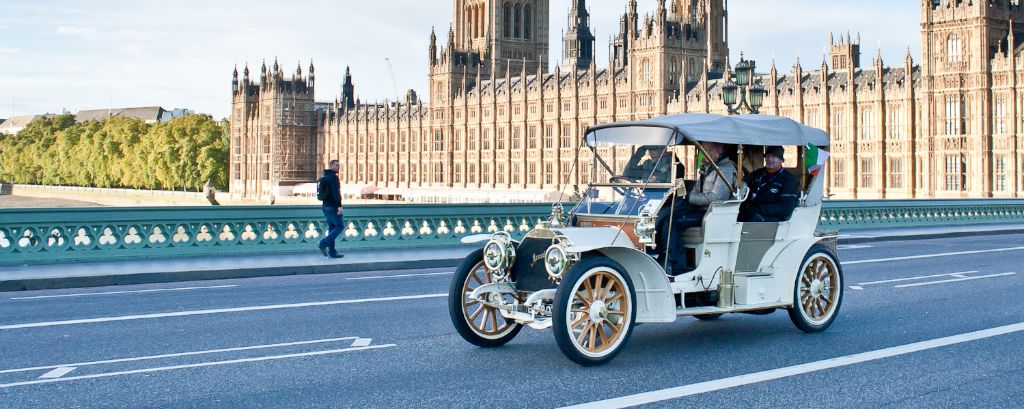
[15, 124]
[148, 114]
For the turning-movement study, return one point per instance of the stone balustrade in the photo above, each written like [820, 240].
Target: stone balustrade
[34, 236]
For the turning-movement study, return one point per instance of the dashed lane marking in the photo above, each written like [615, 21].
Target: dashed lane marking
[217, 311]
[57, 373]
[757, 377]
[954, 280]
[362, 342]
[157, 290]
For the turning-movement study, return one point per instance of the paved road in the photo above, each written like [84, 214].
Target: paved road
[383, 339]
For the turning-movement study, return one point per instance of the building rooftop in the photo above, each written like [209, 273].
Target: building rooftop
[15, 124]
[148, 114]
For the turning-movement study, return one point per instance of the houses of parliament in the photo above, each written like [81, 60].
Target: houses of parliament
[501, 123]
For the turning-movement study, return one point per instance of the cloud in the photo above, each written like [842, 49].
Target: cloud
[75, 31]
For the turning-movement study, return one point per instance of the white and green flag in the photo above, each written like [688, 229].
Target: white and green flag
[814, 159]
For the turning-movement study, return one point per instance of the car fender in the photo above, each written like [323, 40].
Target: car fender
[475, 238]
[654, 299]
[786, 265]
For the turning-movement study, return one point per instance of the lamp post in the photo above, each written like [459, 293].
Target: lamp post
[743, 92]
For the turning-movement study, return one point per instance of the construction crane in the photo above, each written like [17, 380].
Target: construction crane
[394, 84]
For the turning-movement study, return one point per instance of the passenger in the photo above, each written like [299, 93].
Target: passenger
[710, 188]
[773, 191]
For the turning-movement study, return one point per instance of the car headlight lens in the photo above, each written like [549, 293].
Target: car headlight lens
[493, 256]
[555, 262]
[499, 253]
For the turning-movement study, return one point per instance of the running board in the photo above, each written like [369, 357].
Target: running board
[682, 312]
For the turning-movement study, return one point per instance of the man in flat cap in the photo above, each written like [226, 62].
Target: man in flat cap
[774, 192]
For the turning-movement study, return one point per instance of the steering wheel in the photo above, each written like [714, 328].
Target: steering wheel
[622, 189]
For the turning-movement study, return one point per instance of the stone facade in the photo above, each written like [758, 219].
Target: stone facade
[496, 120]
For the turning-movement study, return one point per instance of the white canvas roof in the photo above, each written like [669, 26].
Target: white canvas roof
[738, 129]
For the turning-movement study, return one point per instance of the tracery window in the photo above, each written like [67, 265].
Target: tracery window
[953, 49]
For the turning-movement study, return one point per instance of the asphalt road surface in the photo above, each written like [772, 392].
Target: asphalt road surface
[925, 323]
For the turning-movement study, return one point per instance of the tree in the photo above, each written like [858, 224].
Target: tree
[118, 152]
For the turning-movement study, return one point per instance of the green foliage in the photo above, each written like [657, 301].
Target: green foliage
[181, 154]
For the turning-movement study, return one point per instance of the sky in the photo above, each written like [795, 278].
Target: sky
[58, 55]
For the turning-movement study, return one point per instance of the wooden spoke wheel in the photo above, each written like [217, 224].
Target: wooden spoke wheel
[819, 290]
[479, 324]
[594, 311]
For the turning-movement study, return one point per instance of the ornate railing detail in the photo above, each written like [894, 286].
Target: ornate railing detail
[31, 236]
[862, 214]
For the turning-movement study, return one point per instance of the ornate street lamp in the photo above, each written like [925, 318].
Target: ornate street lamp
[743, 93]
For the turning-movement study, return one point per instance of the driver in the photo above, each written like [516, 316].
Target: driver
[658, 166]
[651, 163]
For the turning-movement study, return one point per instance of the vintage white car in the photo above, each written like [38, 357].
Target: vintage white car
[591, 274]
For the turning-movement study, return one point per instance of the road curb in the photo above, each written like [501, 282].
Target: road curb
[51, 283]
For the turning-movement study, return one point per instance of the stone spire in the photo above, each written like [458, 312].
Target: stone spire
[578, 42]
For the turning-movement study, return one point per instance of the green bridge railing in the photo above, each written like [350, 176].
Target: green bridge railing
[34, 236]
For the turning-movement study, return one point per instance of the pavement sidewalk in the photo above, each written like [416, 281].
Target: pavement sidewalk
[99, 274]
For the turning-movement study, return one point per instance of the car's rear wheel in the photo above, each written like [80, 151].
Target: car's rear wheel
[479, 324]
[819, 290]
[594, 311]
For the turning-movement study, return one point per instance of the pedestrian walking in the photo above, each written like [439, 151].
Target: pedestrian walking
[328, 191]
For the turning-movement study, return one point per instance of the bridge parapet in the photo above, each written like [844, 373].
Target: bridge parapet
[36, 236]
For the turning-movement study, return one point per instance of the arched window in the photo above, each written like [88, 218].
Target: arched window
[517, 23]
[527, 19]
[953, 54]
[507, 21]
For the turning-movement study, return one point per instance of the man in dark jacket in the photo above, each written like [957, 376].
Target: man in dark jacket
[773, 190]
[332, 210]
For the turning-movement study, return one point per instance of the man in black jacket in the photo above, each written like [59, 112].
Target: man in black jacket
[773, 191]
[332, 210]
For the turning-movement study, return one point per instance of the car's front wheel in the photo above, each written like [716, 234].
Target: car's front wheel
[594, 311]
[479, 324]
[819, 290]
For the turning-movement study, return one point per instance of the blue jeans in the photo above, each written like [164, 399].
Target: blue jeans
[335, 224]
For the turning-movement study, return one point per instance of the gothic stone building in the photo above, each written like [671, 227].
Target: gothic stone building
[497, 124]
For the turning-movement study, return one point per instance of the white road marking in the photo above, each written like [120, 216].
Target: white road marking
[958, 275]
[955, 280]
[217, 311]
[400, 275]
[856, 287]
[362, 342]
[854, 246]
[197, 365]
[957, 253]
[57, 373]
[180, 354]
[896, 280]
[124, 292]
[731, 382]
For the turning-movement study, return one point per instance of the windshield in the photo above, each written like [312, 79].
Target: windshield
[632, 164]
[620, 201]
